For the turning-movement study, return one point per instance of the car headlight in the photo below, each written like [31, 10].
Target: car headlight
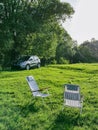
[22, 64]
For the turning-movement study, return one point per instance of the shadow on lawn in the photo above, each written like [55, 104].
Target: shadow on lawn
[25, 110]
[65, 121]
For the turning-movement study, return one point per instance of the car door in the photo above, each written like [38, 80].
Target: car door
[33, 61]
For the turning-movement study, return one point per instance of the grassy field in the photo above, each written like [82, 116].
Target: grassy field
[20, 111]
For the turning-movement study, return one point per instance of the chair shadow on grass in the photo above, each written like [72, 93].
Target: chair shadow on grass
[65, 121]
[28, 108]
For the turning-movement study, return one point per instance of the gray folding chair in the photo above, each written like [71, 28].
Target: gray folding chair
[72, 96]
[36, 92]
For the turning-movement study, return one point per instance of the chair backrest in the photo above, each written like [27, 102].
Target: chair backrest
[32, 83]
[34, 87]
[72, 88]
[72, 96]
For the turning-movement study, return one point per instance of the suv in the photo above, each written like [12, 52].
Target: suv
[27, 62]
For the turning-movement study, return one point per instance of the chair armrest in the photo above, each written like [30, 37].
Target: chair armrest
[41, 89]
[35, 90]
[44, 89]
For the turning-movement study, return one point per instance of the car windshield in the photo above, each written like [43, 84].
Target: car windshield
[24, 58]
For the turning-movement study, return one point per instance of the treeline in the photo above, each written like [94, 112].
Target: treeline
[33, 27]
[87, 52]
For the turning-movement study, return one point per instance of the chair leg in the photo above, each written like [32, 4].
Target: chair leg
[81, 107]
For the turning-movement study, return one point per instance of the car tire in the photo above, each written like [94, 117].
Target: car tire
[38, 66]
[28, 67]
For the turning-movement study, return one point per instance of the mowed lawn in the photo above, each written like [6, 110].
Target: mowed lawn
[19, 110]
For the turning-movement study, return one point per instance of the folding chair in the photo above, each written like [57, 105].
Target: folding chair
[72, 96]
[36, 92]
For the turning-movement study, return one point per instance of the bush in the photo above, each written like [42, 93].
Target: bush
[63, 61]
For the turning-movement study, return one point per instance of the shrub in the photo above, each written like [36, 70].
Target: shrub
[63, 61]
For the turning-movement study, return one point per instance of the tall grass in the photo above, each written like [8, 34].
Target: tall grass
[20, 111]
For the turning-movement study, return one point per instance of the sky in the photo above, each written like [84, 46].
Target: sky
[84, 23]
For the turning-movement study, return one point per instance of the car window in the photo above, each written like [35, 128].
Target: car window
[23, 58]
[31, 58]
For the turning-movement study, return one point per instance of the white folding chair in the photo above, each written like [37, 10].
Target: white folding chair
[36, 92]
[72, 96]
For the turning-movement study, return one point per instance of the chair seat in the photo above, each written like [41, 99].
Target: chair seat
[73, 103]
[38, 94]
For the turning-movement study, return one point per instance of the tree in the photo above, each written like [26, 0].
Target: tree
[44, 42]
[65, 48]
[13, 28]
[87, 52]
[22, 19]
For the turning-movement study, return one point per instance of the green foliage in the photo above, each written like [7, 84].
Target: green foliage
[20, 111]
[22, 21]
[63, 61]
[87, 52]
[43, 43]
[65, 48]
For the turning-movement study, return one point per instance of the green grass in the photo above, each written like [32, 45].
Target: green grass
[20, 111]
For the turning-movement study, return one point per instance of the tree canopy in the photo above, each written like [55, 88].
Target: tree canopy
[87, 52]
[30, 26]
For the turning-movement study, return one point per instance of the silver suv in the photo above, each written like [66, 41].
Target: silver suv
[27, 62]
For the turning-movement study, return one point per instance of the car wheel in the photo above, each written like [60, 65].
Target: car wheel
[38, 66]
[27, 67]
